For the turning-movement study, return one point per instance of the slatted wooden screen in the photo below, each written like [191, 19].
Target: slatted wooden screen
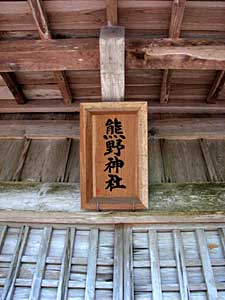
[172, 262]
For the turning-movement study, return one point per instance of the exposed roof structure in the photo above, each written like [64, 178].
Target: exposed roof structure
[71, 29]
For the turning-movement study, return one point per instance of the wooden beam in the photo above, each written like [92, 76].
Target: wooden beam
[54, 106]
[188, 128]
[63, 85]
[83, 54]
[216, 87]
[40, 18]
[14, 87]
[112, 63]
[32, 217]
[165, 86]
[175, 54]
[177, 13]
[39, 129]
[41, 21]
[178, 128]
[112, 12]
[193, 198]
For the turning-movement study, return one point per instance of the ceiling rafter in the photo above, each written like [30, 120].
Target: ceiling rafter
[177, 13]
[14, 87]
[41, 21]
[217, 86]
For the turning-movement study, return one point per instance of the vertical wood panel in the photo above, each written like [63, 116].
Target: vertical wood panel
[15, 264]
[128, 264]
[62, 291]
[40, 266]
[181, 268]
[155, 265]
[112, 63]
[92, 261]
[206, 264]
[118, 264]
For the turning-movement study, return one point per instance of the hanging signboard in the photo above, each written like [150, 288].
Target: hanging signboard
[113, 155]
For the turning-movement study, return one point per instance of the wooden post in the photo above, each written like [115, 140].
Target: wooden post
[112, 63]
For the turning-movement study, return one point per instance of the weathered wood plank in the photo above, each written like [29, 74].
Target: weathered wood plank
[14, 87]
[208, 160]
[155, 265]
[92, 261]
[181, 266]
[128, 264]
[41, 260]
[118, 264]
[22, 158]
[112, 63]
[3, 235]
[206, 264]
[62, 291]
[9, 285]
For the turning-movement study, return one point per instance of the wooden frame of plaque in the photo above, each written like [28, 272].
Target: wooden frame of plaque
[114, 156]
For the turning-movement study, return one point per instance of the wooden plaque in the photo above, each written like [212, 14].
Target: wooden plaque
[113, 155]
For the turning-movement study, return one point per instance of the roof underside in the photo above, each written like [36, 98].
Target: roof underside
[141, 19]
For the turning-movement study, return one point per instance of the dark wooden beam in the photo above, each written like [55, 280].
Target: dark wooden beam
[14, 87]
[83, 54]
[177, 13]
[44, 106]
[216, 87]
[41, 21]
[112, 12]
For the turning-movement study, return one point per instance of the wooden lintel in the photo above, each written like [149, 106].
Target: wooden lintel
[216, 87]
[54, 106]
[14, 87]
[177, 13]
[83, 54]
[112, 63]
[179, 129]
[194, 199]
[112, 12]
